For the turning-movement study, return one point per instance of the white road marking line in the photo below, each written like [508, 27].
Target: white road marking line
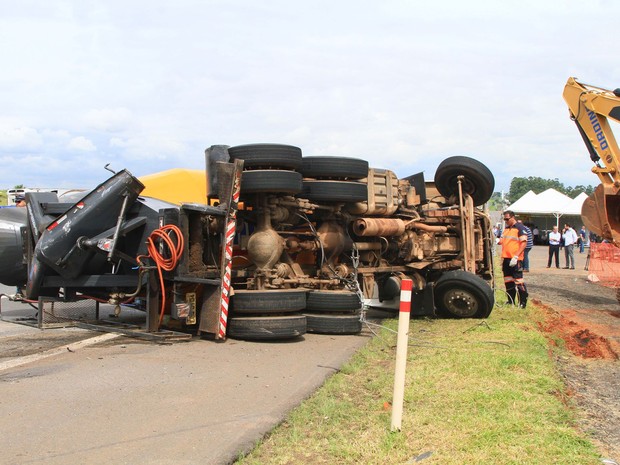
[58, 350]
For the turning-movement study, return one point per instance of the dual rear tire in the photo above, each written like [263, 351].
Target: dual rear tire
[279, 169]
[333, 312]
[273, 314]
[267, 315]
[334, 179]
[269, 168]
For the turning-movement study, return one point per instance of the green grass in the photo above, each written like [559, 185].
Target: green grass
[3, 197]
[477, 392]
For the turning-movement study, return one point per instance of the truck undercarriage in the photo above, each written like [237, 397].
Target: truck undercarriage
[283, 244]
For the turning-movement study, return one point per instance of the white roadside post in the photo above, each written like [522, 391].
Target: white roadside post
[401, 353]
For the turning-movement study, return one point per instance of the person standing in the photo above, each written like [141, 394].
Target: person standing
[554, 247]
[20, 200]
[528, 247]
[570, 238]
[513, 242]
[536, 234]
[582, 238]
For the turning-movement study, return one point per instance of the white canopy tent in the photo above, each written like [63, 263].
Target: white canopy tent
[549, 203]
[574, 208]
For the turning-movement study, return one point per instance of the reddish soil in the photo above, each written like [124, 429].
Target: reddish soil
[580, 335]
[586, 316]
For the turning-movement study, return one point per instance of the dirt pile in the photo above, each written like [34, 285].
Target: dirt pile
[578, 337]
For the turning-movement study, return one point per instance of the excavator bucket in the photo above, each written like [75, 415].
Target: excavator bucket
[601, 213]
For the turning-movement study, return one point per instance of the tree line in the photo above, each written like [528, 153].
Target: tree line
[520, 186]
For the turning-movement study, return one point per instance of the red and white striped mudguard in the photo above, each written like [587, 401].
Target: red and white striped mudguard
[231, 227]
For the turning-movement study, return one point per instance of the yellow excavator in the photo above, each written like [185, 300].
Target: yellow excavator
[591, 108]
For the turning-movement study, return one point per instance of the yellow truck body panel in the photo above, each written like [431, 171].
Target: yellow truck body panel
[176, 186]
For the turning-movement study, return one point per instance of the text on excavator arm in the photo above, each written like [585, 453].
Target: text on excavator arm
[591, 107]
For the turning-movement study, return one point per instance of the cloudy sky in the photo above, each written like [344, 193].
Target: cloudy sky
[148, 85]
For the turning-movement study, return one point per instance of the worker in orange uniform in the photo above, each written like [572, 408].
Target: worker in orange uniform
[513, 242]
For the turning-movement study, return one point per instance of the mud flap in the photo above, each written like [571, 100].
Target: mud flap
[423, 303]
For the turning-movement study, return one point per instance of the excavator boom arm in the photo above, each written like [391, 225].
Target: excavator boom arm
[591, 108]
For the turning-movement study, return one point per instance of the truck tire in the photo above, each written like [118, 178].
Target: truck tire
[333, 324]
[460, 294]
[334, 168]
[333, 301]
[271, 181]
[268, 302]
[479, 181]
[267, 156]
[266, 328]
[334, 191]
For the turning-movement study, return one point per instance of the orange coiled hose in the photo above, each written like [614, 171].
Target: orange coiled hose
[164, 264]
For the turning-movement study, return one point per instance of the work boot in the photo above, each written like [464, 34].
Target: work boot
[512, 296]
[523, 295]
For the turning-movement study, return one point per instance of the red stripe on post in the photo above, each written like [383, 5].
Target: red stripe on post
[406, 287]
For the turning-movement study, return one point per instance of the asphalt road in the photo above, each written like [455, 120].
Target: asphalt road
[124, 401]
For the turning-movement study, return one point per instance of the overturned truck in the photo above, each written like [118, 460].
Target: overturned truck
[283, 244]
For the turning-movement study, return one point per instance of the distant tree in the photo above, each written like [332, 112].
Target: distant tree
[573, 192]
[19, 186]
[520, 186]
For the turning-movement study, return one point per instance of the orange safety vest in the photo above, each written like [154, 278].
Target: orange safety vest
[511, 237]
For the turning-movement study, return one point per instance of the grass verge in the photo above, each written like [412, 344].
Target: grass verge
[477, 392]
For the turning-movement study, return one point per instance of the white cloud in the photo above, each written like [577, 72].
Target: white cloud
[18, 138]
[155, 146]
[56, 134]
[108, 119]
[403, 84]
[81, 144]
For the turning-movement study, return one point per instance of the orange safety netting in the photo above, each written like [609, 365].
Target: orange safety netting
[604, 264]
